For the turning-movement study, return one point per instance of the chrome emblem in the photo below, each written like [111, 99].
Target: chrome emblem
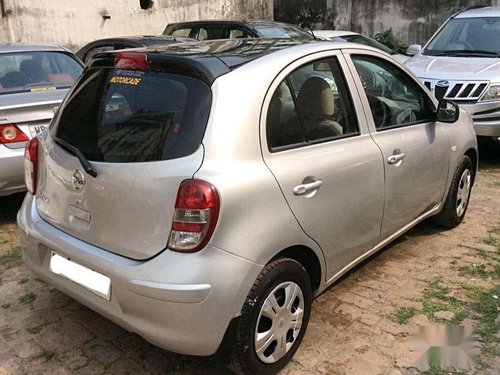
[442, 83]
[78, 180]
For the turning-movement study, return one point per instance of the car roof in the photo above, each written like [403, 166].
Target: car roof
[232, 52]
[143, 39]
[333, 33]
[474, 12]
[210, 59]
[21, 47]
[230, 22]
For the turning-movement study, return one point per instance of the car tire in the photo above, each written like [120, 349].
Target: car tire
[458, 196]
[278, 298]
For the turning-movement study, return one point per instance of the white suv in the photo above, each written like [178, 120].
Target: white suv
[461, 62]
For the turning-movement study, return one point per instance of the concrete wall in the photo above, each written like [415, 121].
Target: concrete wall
[73, 23]
[412, 21]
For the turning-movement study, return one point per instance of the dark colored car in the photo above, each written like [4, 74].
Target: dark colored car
[205, 30]
[112, 44]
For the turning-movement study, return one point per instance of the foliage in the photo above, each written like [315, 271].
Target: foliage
[305, 13]
[388, 39]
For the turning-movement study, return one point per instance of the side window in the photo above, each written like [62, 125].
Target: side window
[395, 98]
[311, 105]
[182, 32]
[237, 33]
[283, 125]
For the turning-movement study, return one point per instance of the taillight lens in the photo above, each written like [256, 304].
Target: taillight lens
[132, 61]
[10, 133]
[196, 213]
[31, 165]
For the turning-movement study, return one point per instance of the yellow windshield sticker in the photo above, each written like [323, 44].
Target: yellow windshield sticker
[125, 80]
[38, 89]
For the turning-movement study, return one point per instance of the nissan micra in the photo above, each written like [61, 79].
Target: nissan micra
[201, 195]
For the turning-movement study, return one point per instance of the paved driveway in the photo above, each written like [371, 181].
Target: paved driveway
[365, 324]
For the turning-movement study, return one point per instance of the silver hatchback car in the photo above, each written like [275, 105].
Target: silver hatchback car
[201, 195]
[33, 81]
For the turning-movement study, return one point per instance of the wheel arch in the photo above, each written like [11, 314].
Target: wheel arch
[308, 259]
[472, 154]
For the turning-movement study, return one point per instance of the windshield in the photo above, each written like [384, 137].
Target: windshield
[467, 37]
[120, 116]
[37, 71]
[283, 31]
[361, 39]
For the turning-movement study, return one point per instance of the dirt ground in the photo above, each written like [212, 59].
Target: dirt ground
[365, 324]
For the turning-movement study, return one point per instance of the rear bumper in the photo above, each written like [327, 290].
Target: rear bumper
[180, 302]
[11, 170]
[486, 118]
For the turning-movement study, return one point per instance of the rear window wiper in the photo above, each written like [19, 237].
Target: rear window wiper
[467, 52]
[79, 155]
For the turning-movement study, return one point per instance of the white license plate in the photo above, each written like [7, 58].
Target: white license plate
[91, 280]
[36, 129]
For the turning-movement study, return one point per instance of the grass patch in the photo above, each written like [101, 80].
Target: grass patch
[13, 258]
[490, 240]
[27, 298]
[34, 330]
[6, 305]
[436, 298]
[403, 314]
[24, 281]
[48, 355]
[487, 306]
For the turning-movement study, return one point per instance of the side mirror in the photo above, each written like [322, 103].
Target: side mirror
[413, 49]
[447, 111]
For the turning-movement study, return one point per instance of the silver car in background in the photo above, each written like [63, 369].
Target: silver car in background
[202, 194]
[461, 63]
[33, 81]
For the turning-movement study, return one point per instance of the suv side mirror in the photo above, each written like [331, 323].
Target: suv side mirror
[413, 49]
[447, 111]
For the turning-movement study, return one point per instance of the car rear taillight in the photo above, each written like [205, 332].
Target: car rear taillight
[132, 61]
[10, 133]
[196, 213]
[31, 165]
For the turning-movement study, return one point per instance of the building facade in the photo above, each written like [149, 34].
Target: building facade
[73, 23]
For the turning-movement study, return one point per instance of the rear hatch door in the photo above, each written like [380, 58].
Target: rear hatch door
[141, 131]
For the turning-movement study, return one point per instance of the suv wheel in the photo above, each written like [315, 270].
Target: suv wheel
[273, 319]
[457, 200]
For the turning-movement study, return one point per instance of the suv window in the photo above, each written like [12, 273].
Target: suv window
[395, 98]
[117, 115]
[311, 105]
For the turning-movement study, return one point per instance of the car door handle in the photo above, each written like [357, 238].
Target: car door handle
[396, 157]
[307, 187]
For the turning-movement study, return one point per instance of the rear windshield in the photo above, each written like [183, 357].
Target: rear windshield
[37, 71]
[116, 115]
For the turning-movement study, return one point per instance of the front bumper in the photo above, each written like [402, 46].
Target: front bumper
[11, 170]
[180, 302]
[486, 117]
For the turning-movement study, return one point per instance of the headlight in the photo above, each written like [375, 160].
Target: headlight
[493, 93]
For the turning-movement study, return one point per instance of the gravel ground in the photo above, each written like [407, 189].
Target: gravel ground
[365, 324]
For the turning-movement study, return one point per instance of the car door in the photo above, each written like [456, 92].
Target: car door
[415, 147]
[328, 167]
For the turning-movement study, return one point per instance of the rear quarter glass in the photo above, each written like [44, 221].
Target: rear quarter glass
[123, 116]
